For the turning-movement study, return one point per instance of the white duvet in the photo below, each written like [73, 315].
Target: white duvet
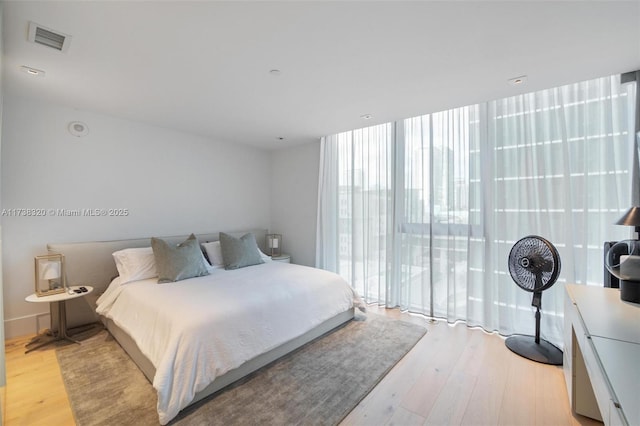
[198, 329]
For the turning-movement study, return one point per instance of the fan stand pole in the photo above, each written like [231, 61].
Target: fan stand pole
[537, 302]
[537, 325]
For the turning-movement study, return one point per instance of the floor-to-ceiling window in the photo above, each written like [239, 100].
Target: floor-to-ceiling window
[422, 213]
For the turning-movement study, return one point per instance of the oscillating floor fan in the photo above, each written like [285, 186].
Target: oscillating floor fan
[534, 265]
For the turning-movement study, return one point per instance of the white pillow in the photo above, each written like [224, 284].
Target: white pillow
[207, 265]
[135, 264]
[214, 253]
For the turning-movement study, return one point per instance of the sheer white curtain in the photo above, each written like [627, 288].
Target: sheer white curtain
[560, 168]
[355, 208]
[422, 213]
[436, 213]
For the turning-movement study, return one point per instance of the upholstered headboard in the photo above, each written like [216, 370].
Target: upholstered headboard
[91, 263]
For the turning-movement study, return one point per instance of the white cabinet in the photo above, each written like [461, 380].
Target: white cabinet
[602, 349]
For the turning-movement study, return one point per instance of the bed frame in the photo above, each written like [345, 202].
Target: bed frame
[91, 263]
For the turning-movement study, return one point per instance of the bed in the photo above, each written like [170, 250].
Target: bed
[193, 337]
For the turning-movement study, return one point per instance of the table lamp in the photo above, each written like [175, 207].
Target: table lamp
[274, 244]
[50, 274]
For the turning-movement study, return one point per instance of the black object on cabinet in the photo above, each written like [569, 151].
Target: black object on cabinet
[609, 279]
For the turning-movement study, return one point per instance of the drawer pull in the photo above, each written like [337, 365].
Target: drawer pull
[617, 404]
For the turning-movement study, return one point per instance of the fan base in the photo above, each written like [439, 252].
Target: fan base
[527, 347]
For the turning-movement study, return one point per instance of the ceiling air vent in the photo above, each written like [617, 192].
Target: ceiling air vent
[48, 37]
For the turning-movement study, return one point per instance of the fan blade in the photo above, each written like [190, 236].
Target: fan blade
[539, 282]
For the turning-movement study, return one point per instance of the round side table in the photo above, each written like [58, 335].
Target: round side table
[284, 258]
[72, 292]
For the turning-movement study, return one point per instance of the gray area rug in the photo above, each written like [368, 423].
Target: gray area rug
[318, 384]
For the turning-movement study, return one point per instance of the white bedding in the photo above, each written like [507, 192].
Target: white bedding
[195, 330]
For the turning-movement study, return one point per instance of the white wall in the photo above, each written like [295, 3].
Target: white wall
[172, 183]
[294, 200]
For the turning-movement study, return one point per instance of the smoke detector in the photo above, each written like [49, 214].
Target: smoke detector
[78, 129]
[44, 36]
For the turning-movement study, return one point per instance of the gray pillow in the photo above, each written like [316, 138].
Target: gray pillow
[175, 263]
[239, 252]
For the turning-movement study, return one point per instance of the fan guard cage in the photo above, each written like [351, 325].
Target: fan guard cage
[534, 263]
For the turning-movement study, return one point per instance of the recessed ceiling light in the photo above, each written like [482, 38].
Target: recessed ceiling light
[78, 129]
[516, 81]
[275, 72]
[32, 71]
[366, 116]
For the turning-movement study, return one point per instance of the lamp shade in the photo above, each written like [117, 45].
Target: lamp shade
[630, 218]
[49, 270]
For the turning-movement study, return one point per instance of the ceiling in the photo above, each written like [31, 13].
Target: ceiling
[204, 67]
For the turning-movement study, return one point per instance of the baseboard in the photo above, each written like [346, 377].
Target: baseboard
[27, 325]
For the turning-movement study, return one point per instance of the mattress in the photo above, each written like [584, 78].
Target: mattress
[195, 330]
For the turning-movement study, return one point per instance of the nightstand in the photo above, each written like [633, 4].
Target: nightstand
[60, 299]
[283, 258]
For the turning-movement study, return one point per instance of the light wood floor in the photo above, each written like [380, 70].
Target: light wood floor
[454, 375]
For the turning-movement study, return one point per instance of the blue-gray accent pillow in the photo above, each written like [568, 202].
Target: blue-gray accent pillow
[178, 262]
[239, 252]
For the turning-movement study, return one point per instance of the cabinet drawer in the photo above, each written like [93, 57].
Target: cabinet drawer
[596, 376]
